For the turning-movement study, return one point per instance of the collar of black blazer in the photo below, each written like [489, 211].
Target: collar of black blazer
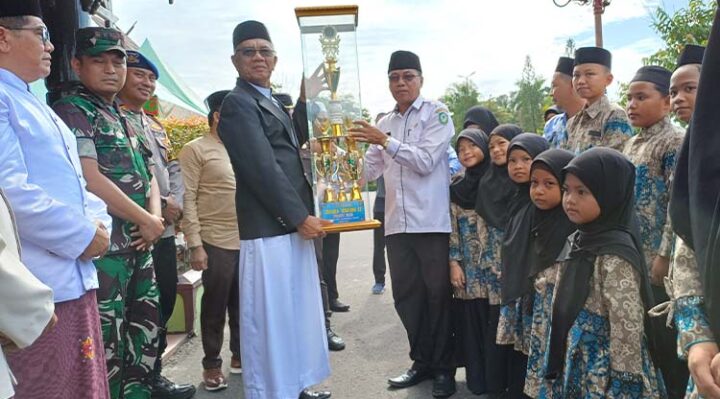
[267, 105]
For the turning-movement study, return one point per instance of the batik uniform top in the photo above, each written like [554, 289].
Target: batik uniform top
[465, 248]
[601, 124]
[653, 152]
[607, 355]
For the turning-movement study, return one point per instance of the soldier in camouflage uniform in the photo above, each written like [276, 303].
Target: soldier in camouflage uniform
[116, 164]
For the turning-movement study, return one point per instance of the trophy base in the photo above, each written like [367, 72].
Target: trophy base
[352, 226]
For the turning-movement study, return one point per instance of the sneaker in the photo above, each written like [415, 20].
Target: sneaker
[214, 380]
[235, 366]
[378, 288]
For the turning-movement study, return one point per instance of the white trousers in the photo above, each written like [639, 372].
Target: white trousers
[282, 328]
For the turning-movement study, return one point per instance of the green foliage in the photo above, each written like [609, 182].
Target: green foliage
[182, 131]
[531, 99]
[501, 107]
[459, 97]
[689, 25]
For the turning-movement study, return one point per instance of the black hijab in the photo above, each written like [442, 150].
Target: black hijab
[463, 191]
[610, 176]
[482, 117]
[516, 246]
[495, 188]
[550, 228]
[695, 198]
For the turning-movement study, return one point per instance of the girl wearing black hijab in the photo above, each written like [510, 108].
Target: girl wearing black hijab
[598, 346]
[516, 312]
[490, 202]
[550, 230]
[466, 274]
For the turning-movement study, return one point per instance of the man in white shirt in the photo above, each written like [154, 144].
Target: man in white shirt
[409, 149]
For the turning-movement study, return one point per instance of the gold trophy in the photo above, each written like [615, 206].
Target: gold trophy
[326, 32]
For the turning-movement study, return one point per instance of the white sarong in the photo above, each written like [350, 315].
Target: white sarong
[282, 328]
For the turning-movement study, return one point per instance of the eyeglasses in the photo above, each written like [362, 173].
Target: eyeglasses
[407, 77]
[249, 52]
[42, 31]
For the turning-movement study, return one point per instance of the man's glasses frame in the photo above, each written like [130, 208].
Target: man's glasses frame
[42, 31]
[250, 52]
[407, 77]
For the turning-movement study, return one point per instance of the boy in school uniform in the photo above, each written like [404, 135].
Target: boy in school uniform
[600, 123]
[653, 152]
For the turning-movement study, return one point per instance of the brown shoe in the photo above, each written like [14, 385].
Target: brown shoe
[235, 366]
[214, 380]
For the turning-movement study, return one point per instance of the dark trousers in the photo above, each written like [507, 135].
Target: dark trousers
[517, 372]
[470, 341]
[379, 249]
[164, 256]
[221, 297]
[497, 357]
[674, 371]
[330, 254]
[323, 286]
[422, 294]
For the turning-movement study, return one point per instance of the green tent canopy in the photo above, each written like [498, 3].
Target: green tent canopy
[171, 83]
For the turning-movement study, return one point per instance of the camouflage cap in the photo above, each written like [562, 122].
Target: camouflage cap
[94, 41]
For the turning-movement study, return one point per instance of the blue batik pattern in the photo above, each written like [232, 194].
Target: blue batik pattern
[535, 383]
[465, 247]
[491, 264]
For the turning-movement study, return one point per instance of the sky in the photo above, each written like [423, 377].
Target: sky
[484, 40]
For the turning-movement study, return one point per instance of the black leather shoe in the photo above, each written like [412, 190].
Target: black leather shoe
[307, 394]
[409, 378]
[162, 388]
[337, 306]
[443, 385]
[335, 343]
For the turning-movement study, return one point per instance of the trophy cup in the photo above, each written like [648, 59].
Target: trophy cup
[328, 36]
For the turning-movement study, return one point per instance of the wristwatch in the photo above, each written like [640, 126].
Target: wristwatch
[386, 143]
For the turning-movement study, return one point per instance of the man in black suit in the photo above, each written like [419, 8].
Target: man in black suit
[283, 344]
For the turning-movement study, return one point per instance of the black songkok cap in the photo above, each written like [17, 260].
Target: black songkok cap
[404, 60]
[691, 54]
[565, 66]
[593, 55]
[214, 101]
[20, 8]
[250, 30]
[656, 75]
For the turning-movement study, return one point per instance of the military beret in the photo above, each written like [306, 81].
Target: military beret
[137, 60]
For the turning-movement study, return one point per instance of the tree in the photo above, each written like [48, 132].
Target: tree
[501, 107]
[459, 97]
[531, 99]
[570, 48]
[689, 25]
